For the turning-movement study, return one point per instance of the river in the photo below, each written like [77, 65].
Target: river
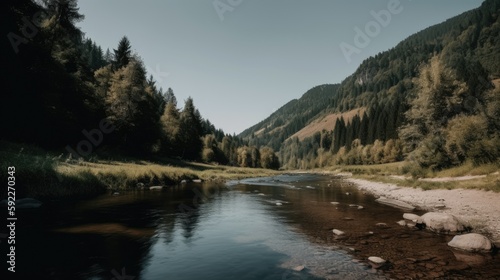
[264, 228]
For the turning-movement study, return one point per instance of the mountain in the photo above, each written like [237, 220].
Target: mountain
[290, 118]
[372, 105]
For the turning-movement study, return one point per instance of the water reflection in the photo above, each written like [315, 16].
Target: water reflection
[205, 231]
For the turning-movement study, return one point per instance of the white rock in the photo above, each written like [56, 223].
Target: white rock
[299, 268]
[471, 242]
[279, 203]
[441, 222]
[402, 223]
[411, 224]
[360, 207]
[338, 232]
[411, 217]
[376, 262]
[155, 187]
[197, 181]
[353, 205]
[335, 203]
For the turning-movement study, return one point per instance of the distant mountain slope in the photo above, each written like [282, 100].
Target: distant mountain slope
[290, 118]
[383, 85]
[327, 122]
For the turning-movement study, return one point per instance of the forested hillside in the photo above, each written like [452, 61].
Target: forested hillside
[429, 99]
[63, 92]
[290, 118]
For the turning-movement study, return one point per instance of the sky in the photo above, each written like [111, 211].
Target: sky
[241, 60]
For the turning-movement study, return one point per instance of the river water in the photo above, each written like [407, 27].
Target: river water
[265, 228]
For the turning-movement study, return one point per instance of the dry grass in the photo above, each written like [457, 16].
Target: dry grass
[41, 174]
[327, 123]
[120, 175]
[403, 174]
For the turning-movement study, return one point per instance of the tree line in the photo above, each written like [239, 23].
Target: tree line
[60, 84]
[429, 100]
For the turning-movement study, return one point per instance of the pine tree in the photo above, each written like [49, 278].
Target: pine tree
[191, 131]
[122, 54]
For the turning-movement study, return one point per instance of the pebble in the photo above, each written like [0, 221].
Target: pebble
[338, 232]
[299, 268]
[376, 262]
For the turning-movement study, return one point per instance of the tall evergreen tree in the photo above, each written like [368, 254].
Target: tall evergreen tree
[191, 130]
[122, 54]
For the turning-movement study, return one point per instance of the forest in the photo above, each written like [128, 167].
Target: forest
[433, 100]
[64, 93]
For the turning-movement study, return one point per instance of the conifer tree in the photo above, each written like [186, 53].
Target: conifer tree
[122, 54]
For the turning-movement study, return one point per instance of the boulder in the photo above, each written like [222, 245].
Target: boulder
[441, 222]
[411, 217]
[395, 203]
[471, 242]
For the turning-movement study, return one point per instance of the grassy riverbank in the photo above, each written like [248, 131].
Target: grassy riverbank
[466, 176]
[45, 175]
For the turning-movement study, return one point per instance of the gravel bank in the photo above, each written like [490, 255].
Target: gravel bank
[476, 208]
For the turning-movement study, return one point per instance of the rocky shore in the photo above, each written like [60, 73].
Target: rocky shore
[476, 209]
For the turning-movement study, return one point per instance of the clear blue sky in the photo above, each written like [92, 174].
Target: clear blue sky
[242, 64]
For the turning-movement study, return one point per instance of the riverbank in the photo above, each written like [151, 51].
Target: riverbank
[477, 209]
[48, 176]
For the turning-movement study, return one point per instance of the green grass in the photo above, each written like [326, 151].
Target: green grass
[45, 175]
